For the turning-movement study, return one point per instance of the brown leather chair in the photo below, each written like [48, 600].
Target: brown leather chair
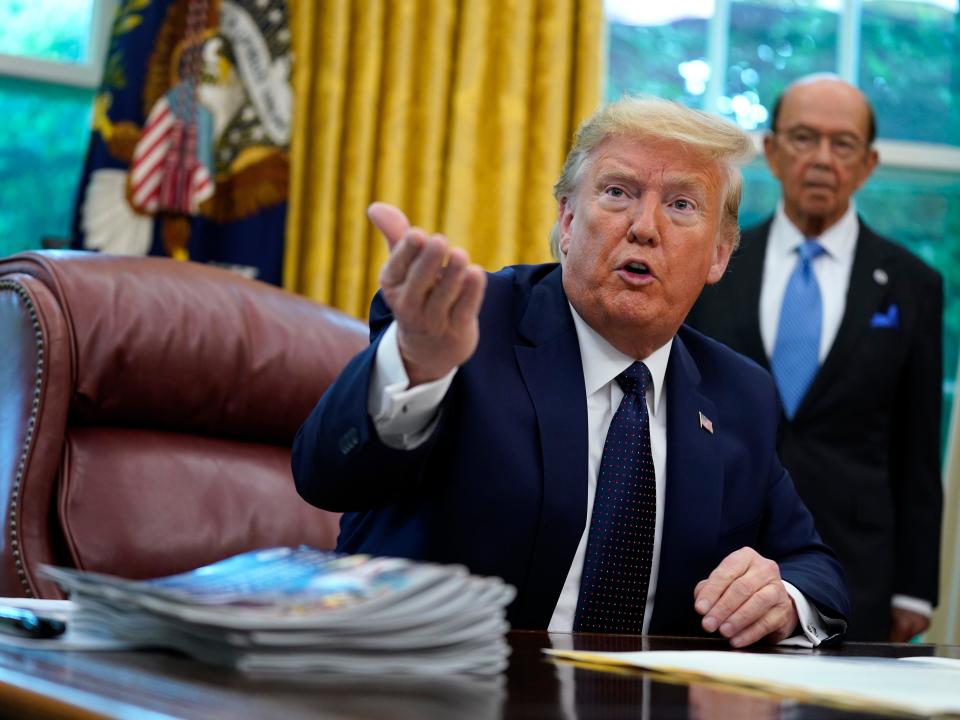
[147, 409]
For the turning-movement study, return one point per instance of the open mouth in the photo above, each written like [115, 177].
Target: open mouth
[637, 268]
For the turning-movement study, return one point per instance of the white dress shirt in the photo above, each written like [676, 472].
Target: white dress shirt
[404, 417]
[832, 270]
[602, 363]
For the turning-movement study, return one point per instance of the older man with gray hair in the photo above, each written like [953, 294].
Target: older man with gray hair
[557, 426]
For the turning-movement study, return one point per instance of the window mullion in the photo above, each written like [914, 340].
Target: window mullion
[718, 46]
[848, 45]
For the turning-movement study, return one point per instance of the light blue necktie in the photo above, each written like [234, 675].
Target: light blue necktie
[796, 352]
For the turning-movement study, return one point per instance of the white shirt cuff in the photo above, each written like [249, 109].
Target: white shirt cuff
[913, 604]
[403, 416]
[816, 627]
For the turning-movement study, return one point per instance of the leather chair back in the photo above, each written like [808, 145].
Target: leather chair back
[147, 409]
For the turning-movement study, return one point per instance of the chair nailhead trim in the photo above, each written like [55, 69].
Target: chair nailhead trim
[28, 439]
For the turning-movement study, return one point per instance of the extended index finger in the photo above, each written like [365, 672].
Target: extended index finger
[390, 220]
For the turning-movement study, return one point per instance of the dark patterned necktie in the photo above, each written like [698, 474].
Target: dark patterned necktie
[616, 568]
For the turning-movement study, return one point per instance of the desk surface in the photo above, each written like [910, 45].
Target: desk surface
[160, 685]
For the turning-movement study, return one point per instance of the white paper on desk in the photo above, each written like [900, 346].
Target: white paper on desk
[952, 663]
[889, 684]
[75, 637]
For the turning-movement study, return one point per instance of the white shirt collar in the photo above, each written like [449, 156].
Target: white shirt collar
[602, 362]
[839, 240]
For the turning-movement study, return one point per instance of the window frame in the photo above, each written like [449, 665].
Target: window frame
[87, 74]
[893, 153]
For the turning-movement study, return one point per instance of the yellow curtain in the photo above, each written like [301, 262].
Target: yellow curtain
[459, 112]
[945, 626]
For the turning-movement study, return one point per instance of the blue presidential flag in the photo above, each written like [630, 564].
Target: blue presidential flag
[191, 131]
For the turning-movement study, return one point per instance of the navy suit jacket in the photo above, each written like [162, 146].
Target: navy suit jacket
[501, 484]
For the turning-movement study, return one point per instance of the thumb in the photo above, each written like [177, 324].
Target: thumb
[390, 220]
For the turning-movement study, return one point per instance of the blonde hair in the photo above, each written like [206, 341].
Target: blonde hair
[652, 119]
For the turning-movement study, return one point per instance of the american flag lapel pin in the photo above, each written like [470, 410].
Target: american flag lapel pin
[706, 423]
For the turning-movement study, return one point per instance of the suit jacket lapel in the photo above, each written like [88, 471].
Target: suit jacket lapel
[694, 490]
[747, 267]
[553, 372]
[864, 296]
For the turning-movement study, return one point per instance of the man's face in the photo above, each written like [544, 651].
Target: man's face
[639, 238]
[819, 152]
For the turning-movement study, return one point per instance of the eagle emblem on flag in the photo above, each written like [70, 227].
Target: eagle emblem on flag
[216, 107]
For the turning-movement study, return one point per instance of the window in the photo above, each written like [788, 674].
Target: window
[771, 44]
[55, 40]
[672, 42]
[904, 54]
[45, 133]
[909, 67]
[50, 55]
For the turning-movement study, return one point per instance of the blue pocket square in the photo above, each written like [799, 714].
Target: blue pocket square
[889, 319]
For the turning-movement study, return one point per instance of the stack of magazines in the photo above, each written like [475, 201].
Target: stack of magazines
[282, 610]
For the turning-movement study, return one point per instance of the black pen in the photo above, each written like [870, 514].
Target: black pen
[26, 623]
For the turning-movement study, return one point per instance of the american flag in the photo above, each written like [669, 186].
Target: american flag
[706, 423]
[165, 173]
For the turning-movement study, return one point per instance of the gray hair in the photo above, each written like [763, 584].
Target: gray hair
[652, 119]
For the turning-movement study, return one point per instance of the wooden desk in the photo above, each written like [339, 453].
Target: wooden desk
[160, 685]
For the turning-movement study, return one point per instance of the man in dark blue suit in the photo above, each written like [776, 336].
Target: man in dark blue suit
[474, 429]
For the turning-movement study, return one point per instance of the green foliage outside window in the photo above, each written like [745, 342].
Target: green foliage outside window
[772, 44]
[663, 48]
[45, 126]
[55, 30]
[45, 133]
[910, 70]
[909, 61]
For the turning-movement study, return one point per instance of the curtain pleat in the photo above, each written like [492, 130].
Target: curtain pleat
[459, 112]
[945, 624]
